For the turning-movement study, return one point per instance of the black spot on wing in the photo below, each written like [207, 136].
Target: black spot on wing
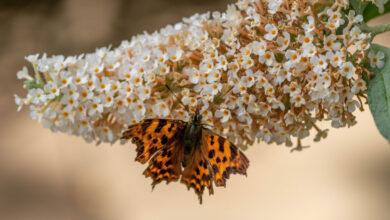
[164, 139]
[171, 127]
[233, 151]
[225, 175]
[145, 124]
[141, 150]
[215, 168]
[169, 162]
[221, 148]
[211, 154]
[161, 124]
[205, 164]
[221, 141]
[153, 150]
[158, 165]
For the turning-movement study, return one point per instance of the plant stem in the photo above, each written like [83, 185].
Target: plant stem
[375, 30]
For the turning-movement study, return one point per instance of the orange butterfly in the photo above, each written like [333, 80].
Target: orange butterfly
[172, 144]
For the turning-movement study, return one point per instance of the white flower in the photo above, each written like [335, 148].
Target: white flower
[292, 56]
[32, 58]
[297, 100]
[23, 74]
[138, 110]
[174, 53]
[144, 92]
[271, 30]
[69, 101]
[347, 69]
[264, 134]
[309, 27]
[37, 96]
[244, 116]
[161, 109]
[330, 43]
[64, 80]
[36, 113]
[52, 90]
[336, 59]
[274, 5]
[212, 89]
[224, 114]
[358, 85]
[284, 41]
[376, 60]
[258, 47]
[268, 58]
[104, 85]
[107, 99]
[354, 19]
[214, 77]
[352, 104]
[67, 114]
[264, 109]
[144, 55]
[81, 78]
[293, 89]
[105, 134]
[19, 102]
[95, 107]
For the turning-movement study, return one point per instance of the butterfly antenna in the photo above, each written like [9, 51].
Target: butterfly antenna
[227, 92]
[177, 99]
[219, 98]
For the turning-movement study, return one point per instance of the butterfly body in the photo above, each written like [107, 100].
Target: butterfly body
[192, 135]
[176, 148]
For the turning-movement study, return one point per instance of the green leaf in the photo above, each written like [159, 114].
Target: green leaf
[358, 6]
[372, 12]
[379, 93]
[33, 84]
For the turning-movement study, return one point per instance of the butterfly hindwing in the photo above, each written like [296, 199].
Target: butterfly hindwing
[151, 135]
[197, 174]
[224, 157]
[165, 165]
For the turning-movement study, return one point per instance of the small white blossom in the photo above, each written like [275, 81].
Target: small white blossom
[376, 60]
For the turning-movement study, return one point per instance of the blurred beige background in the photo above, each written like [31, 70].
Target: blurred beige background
[46, 175]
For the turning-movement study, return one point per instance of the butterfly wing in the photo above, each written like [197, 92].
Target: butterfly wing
[165, 165]
[151, 135]
[223, 156]
[197, 174]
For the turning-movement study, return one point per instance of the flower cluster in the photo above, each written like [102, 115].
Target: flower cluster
[262, 70]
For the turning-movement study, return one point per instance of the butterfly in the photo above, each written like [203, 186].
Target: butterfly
[187, 151]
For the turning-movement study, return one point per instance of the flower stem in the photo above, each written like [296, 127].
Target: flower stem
[375, 30]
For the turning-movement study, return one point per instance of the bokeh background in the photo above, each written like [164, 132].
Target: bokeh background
[45, 175]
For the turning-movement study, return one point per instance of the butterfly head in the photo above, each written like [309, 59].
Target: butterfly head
[197, 117]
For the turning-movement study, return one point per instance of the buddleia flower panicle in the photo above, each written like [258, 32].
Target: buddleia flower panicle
[288, 63]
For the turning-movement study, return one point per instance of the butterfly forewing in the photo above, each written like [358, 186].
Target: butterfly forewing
[151, 135]
[224, 157]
